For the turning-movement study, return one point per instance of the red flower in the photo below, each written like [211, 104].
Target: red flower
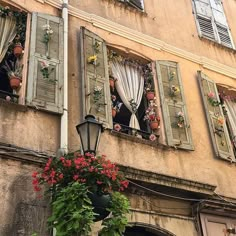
[75, 177]
[61, 176]
[99, 182]
[34, 175]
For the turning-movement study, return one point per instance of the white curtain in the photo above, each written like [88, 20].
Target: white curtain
[231, 113]
[7, 34]
[129, 85]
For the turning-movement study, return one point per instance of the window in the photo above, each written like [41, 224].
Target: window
[133, 95]
[211, 21]
[221, 124]
[45, 73]
[134, 3]
[213, 225]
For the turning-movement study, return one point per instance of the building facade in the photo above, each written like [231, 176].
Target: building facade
[169, 118]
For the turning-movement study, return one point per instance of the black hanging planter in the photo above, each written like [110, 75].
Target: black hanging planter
[100, 203]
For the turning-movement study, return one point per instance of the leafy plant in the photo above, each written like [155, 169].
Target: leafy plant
[72, 211]
[115, 225]
[13, 68]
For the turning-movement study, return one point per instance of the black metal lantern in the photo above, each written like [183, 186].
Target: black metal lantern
[89, 132]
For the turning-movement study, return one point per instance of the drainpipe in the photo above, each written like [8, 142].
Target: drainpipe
[64, 117]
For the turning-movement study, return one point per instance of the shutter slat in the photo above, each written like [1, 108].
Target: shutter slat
[95, 75]
[219, 133]
[224, 35]
[206, 27]
[168, 76]
[46, 91]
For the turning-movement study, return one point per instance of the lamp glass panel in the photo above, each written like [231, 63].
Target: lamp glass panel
[94, 132]
[83, 132]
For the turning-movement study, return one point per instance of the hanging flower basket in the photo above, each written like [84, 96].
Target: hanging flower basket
[17, 50]
[154, 125]
[15, 82]
[150, 95]
[100, 204]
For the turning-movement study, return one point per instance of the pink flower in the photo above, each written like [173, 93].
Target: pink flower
[117, 127]
[99, 182]
[211, 95]
[152, 137]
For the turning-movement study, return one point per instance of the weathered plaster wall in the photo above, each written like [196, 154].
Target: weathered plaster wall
[171, 162]
[22, 213]
[170, 21]
[29, 128]
[23, 126]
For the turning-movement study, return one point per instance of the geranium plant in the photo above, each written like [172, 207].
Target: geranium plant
[212, 99]
[47, 33]
[180, 119]
[46, 70]
[150, 113]
[71, 180]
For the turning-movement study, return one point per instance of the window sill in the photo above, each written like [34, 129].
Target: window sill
[215, 43]
[128, 7]
[138, 140]
[13, 106]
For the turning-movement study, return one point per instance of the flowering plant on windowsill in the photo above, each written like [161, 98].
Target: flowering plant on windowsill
[71, 180]
[150, 113]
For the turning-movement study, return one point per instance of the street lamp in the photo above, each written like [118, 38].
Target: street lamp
[89, 132]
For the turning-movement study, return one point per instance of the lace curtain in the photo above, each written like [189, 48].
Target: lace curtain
[231, 114]
[7, 33]
[129, 85]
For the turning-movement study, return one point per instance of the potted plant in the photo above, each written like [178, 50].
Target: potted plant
[112, 81]
[152, 117]
[84, 189]
[14, 72]
[115, 105]
[17, 50]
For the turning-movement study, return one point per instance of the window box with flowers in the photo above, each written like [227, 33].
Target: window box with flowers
[80, 186]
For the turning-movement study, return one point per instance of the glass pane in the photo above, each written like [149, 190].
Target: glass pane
[84, 136]
[94, 130]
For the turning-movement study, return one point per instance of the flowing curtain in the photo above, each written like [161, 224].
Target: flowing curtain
[7, 34]
[231, 114]
[129, 85]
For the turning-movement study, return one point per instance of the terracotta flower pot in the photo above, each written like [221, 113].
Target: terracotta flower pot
[15, 82]
[100, 203]
[154, 125]
[113, 111]
[150, 95]
[17, 50]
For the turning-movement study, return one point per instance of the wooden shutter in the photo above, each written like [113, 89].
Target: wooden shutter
[45, 93]
[221, 23]
[204, 18]
[220, 136]
[168, 74]
[94, 75]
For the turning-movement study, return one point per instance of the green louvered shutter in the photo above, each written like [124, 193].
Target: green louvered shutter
[168, 75]
[94, 76]
[219, 134]
[44, 93]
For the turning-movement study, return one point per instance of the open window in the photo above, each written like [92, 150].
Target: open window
[12, 31]
[138, 4]
[39, 84]
[120, 91]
